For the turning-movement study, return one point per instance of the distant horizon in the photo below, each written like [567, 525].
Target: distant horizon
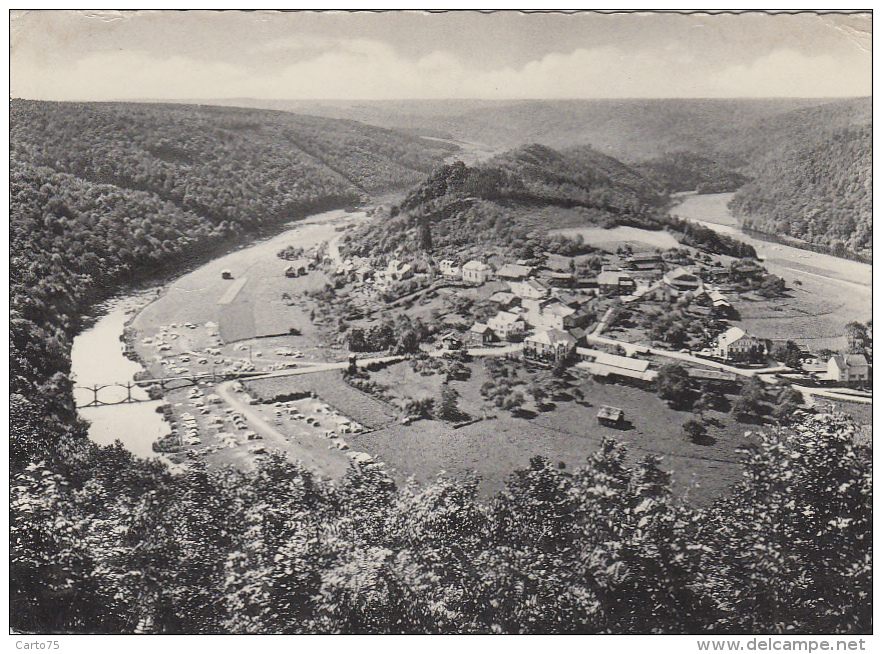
[461, 100]
[314, 56]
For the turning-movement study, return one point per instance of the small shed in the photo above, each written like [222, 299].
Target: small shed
[611, 416]
[227, 274]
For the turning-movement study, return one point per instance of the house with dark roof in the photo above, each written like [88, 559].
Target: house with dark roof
[480, 334]
[682, 280]
[611, 416]
[616, 282]
[514, 272]
[644, 261]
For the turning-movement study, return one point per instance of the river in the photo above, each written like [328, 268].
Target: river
[96, 359]
[97, 354]
[788, 262]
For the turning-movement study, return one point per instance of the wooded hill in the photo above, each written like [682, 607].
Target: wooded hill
[821, 193]
[499, 204]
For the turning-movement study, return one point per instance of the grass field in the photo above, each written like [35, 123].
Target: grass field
[495, 447]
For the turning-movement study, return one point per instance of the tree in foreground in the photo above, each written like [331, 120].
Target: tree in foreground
[674, 385]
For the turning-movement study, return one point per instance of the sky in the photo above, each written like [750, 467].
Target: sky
[128, 55]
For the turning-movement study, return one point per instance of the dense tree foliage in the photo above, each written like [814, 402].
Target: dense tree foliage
[820, 192]
[687, 171]
[116, 543]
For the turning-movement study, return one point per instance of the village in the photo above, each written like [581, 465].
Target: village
[477, 363]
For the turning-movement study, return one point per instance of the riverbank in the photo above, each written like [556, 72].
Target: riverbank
[712, 209]
[825, 292]
[120, 329]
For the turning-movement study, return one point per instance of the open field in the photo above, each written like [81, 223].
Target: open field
[610, 239]
[495, 447]
[814, 312]
[195, 297]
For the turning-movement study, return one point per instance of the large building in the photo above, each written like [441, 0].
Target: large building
[736, 345]
[550, 346]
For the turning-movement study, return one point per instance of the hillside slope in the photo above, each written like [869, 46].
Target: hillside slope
[820, 193]
[705, 144]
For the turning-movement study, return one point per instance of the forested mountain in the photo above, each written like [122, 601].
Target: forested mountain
[629, 130]
[820, 193]
[500, 203]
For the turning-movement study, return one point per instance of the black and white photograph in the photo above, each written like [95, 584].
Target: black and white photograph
[454, 322]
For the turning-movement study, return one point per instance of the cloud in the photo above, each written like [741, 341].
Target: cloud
[307, 67]
[785, 73]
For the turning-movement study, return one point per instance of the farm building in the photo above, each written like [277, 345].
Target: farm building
[480, 334]
[682, 280]
[514, 272]
[505, 300]
[559, 279]
[450, 341]
[719, 378]
[297, 268]
[605, 365]
[611, 416]
[616, 282]
[644, 261]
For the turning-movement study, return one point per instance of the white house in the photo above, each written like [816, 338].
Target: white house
[557, 316]
[530, 289]
[549, 346]
[848, 368]
[737, 345]
[475, 272]
[505, 324]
